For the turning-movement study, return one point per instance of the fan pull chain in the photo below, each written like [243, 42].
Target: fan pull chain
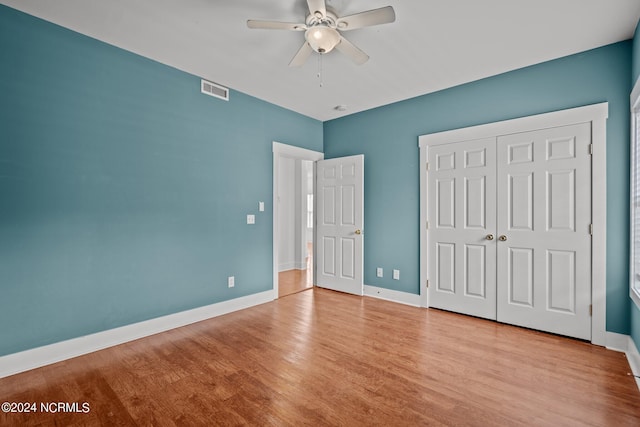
[320, 69]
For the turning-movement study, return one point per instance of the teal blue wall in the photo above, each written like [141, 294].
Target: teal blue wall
[388, 137]
[635, 74]
[123, 190]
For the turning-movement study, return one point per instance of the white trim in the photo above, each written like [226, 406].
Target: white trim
[624, 344]
[290, 151]
[391, 295]
[599, 220]
[634, 106]
[571, 116]
[617, 342]
[292, 266]
[597, 114]
[633, 357]
[422, 289]
[634, 99]
[30, 359]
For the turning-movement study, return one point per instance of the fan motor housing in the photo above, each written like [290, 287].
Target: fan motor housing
[329, 19]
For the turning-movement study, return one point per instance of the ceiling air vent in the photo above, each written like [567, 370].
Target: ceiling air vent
[209, 88]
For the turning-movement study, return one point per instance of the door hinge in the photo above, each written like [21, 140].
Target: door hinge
[427, 166]
[427, 283]
[427, 225]
[590, 309]
[591, 229]
[591, 149]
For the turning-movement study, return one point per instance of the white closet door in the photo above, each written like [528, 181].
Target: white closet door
[544, 242]
[462, 223]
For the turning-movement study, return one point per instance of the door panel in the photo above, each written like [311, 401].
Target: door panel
[446, 197]
[520, 195]
[520, 285]
[475, 262]
[544, 212]
[461, 215]
[475, 197]
[339, 223]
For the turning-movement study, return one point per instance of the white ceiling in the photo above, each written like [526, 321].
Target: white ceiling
[434, 44]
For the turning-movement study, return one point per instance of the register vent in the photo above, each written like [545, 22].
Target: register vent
[212, 89]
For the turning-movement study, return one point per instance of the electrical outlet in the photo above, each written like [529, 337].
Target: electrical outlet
[231, 281]
[251, 219]
[261, 206]
[396, 274]
[379, 272]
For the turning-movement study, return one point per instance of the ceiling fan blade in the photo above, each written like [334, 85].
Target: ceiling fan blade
[275, 25]
[349, 49]
[317, 7]
[384, 15]
[301, 57]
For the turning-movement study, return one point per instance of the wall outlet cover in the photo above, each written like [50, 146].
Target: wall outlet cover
[379, 272]
[251, 219]
[396, 274]
[231, 281]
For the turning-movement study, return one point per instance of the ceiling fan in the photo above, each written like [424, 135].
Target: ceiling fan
[322, 29]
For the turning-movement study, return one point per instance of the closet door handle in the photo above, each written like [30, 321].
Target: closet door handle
[502, 238]
[489, 237]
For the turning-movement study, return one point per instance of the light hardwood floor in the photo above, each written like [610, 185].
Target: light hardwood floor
[323, 358]
[292, 281]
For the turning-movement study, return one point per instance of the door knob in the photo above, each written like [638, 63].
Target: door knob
[358, 232]
[502, 238]
[489, 237]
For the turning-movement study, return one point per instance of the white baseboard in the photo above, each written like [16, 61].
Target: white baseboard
[391, 295]
[30, 359]
[634, 360]
[625, 344]
[617, 342]
[285, 266]
[292, 266]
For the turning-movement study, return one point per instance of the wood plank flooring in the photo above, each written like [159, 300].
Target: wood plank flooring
[293, 281]
[323, 358]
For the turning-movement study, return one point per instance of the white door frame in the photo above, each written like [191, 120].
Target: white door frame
[597, 115]
[289, 151]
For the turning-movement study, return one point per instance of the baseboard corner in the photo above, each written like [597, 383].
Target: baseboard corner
[617, 342]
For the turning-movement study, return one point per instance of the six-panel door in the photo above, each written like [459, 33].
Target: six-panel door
[340, 215]
[462, 223]
[544, 213]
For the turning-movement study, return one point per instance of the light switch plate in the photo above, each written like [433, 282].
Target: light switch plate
[251, 219]
[261, 206]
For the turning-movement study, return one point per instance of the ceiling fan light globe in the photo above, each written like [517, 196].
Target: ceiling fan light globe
[322, 39]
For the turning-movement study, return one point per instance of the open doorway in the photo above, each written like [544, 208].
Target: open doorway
[294, 219]
[295, 201]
